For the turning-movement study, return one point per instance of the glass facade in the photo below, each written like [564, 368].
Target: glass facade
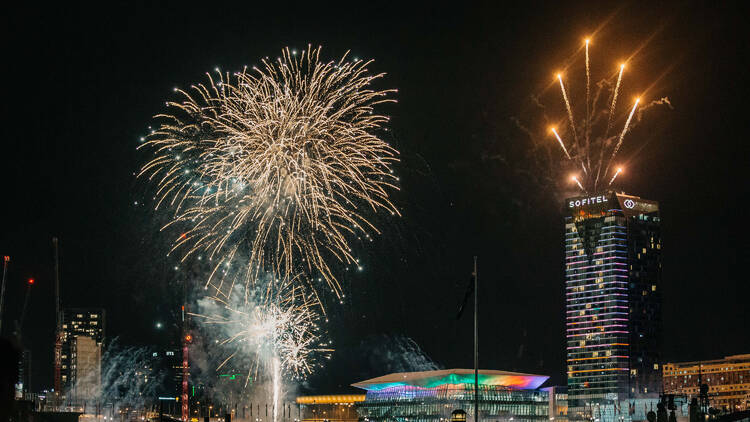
[612, 287]
[413, 403]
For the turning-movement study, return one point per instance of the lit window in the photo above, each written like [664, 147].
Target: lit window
[653, 287]
[656, 366]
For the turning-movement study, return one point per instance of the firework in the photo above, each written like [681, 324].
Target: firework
[562, 145]
[619, 170]
[567, 106]
[280, 332]
[275, 167]
[594, 155]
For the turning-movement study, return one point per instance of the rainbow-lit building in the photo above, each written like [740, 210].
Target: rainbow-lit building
[434, 395]
[613, 304]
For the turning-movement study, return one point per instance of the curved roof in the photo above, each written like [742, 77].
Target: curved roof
[431, 379]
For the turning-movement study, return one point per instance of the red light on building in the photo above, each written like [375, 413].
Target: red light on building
[31, 281]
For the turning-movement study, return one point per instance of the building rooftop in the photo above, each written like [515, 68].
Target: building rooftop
[431, 379]
[727, 359]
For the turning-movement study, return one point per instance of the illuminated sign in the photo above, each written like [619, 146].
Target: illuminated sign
[588, 201]
[629, 203]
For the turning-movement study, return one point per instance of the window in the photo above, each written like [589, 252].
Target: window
[653, 287]
[656, 366]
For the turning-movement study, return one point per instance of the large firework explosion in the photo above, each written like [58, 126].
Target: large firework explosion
[590, 137]
[274, 168]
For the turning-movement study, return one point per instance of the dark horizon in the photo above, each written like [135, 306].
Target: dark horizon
[84, 84]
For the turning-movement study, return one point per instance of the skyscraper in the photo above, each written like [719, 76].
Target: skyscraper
[613, 303]
[80, 322]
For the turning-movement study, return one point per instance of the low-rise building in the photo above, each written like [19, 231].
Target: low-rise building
[728, 381]
[333, 408]
[436, 395]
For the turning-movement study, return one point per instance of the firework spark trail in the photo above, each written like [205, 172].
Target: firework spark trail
[622, 135]
[570, 113]
[276, 369]
[561, 143]
[283, 160]
[614, 100]
[619, 170]
[587, 128]
[609, 122]
[575, 179]
[567, 106]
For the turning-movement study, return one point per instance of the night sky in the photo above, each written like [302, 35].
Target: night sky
[82, 84]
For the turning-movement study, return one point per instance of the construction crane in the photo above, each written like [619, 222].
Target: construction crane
[6, 260]
[19, 322]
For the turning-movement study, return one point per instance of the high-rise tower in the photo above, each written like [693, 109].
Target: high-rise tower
[613, 303]
[77, 324]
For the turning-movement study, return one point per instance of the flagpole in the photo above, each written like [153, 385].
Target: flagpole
[476, 342]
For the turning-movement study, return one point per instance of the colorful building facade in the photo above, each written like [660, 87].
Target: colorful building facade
[435, 395]
[613, 303]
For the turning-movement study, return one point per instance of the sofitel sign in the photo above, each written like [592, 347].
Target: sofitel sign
[588, 201]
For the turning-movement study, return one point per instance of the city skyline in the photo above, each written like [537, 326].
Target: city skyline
[459, 196]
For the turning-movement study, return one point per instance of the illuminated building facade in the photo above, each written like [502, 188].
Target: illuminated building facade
[168, 363]
[558, 401]
[334, 408]
[434, 395]
[78, 322]
[728, 381]
[86, 368]
[613, 303]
